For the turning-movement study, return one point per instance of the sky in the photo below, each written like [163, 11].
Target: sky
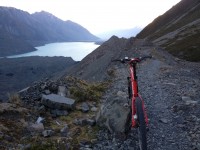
[98, 16]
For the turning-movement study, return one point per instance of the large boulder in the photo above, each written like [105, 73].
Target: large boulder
[115, 118]
[54, 101]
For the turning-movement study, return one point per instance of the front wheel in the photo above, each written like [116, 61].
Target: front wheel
[141, 125]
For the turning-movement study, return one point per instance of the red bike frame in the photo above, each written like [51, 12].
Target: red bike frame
[135, 94]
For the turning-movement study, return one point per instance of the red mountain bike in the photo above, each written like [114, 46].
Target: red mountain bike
[139, 117]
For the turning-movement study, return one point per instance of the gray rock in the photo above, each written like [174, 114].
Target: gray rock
[85, 107]
[91, 122]
[62, 91]
[47, 92]
[121, 94]
[57, 113]
[94, 109]
[58, 102]
[64, 131]
[81, 122]
[47, 133]
[38, 127]
[84, 121]
[39, 120]
[164, 120]
[114, 118]
[186, 98]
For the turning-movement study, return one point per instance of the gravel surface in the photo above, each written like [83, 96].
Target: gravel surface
[170, 88]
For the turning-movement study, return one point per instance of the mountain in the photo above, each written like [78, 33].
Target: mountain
[177, 30]
[20, 31]
[94, 67]
[126, 33]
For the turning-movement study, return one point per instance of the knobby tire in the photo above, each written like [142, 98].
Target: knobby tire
[141, 125]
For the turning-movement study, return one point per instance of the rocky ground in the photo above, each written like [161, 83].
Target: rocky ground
[170, 88]
[51, 114]
[19, 73]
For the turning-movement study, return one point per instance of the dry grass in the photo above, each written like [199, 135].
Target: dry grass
[14, 98]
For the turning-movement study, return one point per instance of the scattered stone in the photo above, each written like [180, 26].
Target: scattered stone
[186, 98]
[24, 90]
[47, 92]
[42, 109]
[64, 131]
[94, 109]
[27, 146]
[191, 102]
[90, 122]
[62, 91]
[85, 107]
[81, 122]
[39, 120]
[170, 84]
[57, 113]
[58, 102]
[38, 127]
[163, 120]
[47, 133]
[121, 94]
[84, 121]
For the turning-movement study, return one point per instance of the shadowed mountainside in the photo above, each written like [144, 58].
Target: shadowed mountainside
[18, 73]
[177, 30]
[20, 31]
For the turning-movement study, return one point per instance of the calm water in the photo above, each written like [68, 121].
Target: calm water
[76, 50]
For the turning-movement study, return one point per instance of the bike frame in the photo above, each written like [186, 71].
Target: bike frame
[134, 93]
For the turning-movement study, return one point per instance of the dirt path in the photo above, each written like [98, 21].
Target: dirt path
[163, 133]
[170, 89]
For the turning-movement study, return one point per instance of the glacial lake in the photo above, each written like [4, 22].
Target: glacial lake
[76, 50]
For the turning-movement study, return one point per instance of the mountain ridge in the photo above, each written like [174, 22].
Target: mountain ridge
[20, 31]
[177, 30]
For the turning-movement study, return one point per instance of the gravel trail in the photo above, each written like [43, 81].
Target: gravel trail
[170, 88]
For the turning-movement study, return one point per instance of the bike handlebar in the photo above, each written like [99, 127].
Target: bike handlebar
[132, 60]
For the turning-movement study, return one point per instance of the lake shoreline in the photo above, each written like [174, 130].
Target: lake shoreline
[32, 47]
[76, 50]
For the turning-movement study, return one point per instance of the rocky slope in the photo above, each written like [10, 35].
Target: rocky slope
[20, 31]
[19, 73]
[177, 30]
[95, 66]
[170, 89]
[168, 85]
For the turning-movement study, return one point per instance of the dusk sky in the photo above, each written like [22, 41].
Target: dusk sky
[98, 15]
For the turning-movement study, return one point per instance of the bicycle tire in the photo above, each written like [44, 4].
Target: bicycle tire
[141, 125]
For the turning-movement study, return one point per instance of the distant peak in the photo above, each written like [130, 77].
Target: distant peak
[43, 12]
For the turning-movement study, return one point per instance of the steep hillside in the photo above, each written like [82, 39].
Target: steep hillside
[21, 31]
[177, 30]
[18, 73]
[94, 66]
[58, 29]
